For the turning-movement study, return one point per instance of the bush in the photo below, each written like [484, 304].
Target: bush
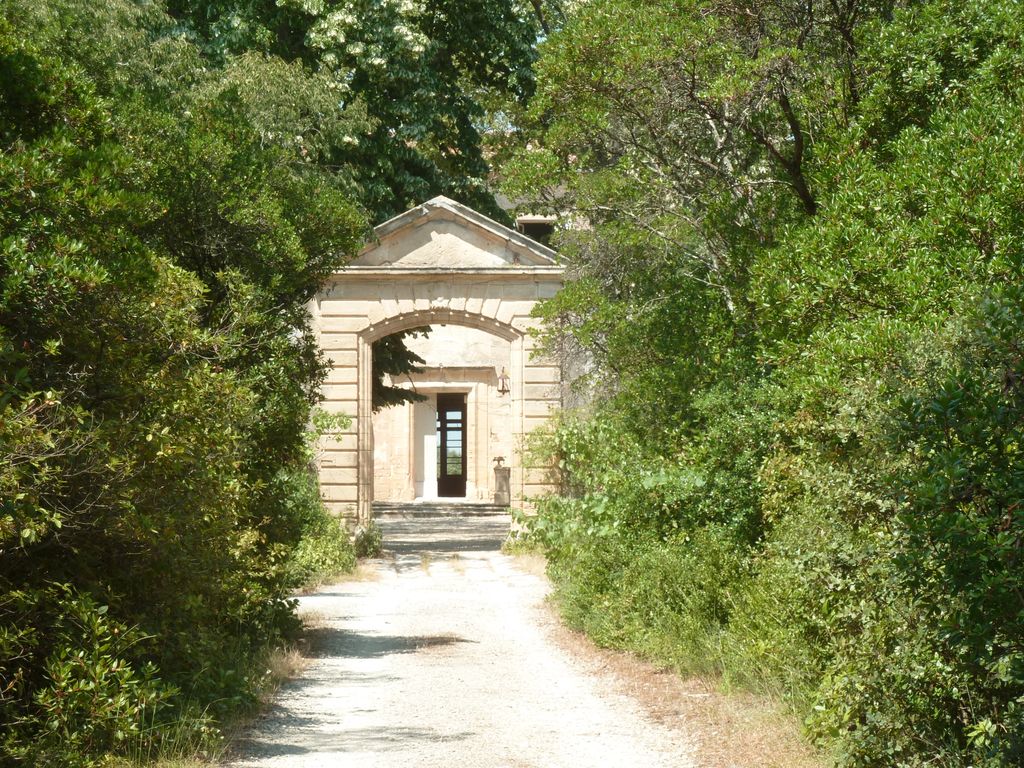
[799, 600]
[639, 561]
[369, 540]
[74, 688]
[802, 466]
[324, 549]
[937, 675]
[157, 375]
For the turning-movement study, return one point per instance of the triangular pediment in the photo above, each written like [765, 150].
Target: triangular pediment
[443, 234]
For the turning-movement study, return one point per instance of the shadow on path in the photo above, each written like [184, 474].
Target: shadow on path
[348, 740]
[305, 725]
[444, 535]
[326, 642]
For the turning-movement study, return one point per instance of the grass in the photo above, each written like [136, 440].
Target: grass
[363, 572]
[181, 748]
[516, 544]
[191, 742]
[529, 556]
[727, 728]
[283, 664]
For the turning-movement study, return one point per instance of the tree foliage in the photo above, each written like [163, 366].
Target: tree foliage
[392, 358]
[423, 72]
[158, 373]
[178, 178]
[798, 293]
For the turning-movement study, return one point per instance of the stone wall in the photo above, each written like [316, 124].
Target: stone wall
[353, 311]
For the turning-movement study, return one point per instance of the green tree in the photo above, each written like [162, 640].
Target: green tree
[159, 245]
[691, 124]
[392, 358]
[797, 293]
[422, 71]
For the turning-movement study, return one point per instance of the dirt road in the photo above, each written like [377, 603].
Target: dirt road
[442, 656]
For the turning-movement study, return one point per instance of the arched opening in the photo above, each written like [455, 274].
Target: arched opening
[439, 316]
[445, 445]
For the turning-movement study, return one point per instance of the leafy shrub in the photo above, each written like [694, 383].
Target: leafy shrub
[369, 540]
[324, 549]
[636, 561]
[939, 670]
[801, 466]
[800, 598]
[74, 671]
[157, 374]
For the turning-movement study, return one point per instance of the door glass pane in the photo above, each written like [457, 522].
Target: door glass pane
[451, 433]
[454, 463]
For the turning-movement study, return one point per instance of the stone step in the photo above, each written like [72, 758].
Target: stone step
[407, 509]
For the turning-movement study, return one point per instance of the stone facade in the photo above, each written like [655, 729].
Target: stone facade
[475, 283]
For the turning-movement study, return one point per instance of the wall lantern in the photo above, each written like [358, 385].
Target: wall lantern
[504, 383]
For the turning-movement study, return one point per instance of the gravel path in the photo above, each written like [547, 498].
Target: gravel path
[443, 657]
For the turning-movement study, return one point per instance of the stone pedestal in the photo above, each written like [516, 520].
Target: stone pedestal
[502, 486]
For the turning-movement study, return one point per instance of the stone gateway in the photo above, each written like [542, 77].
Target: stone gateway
[474, 282]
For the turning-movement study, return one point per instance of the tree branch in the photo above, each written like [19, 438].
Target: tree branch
[538, 8]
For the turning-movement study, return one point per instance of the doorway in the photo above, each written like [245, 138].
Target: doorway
[451, 445]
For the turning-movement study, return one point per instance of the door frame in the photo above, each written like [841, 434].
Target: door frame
[452, 486]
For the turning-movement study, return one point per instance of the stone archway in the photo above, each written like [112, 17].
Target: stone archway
[439, 264]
